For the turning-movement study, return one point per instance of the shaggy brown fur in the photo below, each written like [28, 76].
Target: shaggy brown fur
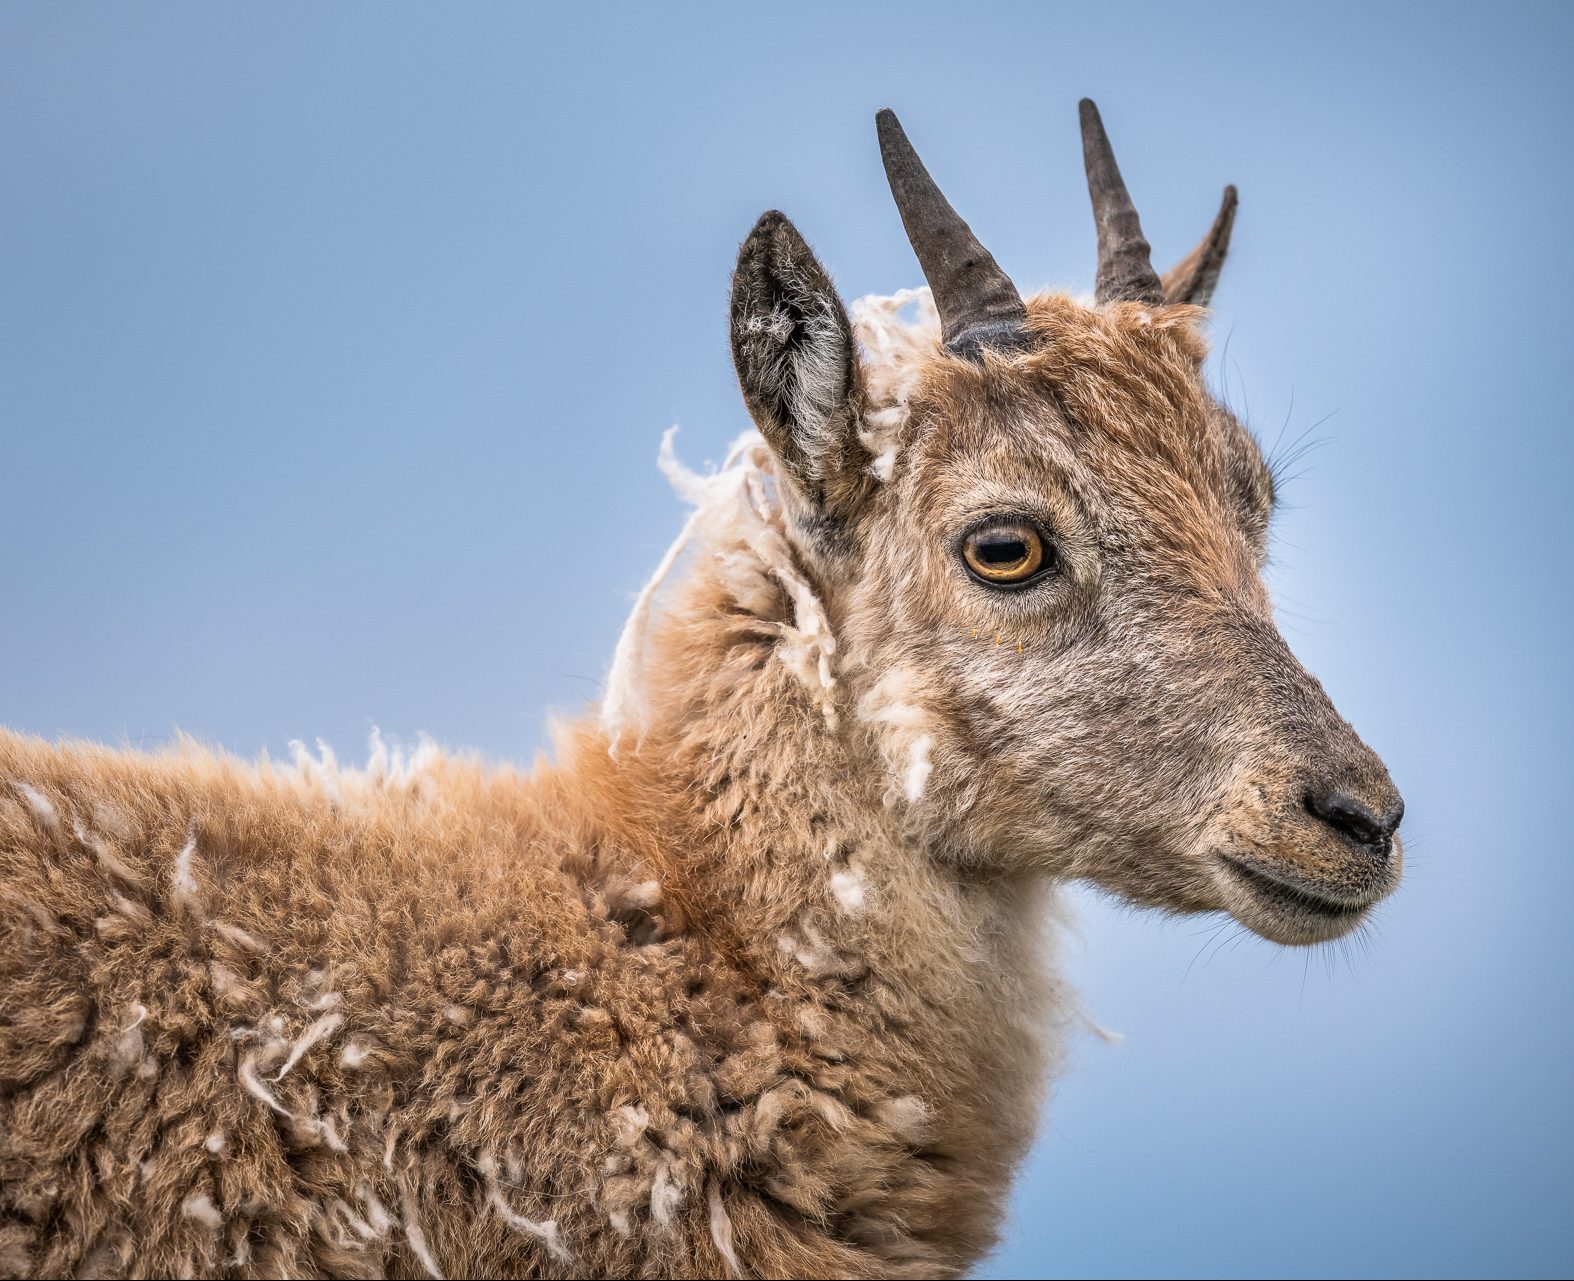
[606, 1020]
[749, 983]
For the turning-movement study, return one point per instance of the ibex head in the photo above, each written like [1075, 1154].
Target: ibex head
[1047, 588]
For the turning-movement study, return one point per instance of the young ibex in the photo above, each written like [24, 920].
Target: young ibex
[750, 981]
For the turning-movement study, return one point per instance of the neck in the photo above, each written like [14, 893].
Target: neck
[730, 718]
[771, 818]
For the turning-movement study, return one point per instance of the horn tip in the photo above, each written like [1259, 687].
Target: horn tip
[1092, 124]
[1231, 195]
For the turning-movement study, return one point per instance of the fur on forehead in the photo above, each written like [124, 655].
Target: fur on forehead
[1122, 369]
[1125, 376]
[1119, 389]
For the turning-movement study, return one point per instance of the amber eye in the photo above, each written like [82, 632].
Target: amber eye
[1006, 553]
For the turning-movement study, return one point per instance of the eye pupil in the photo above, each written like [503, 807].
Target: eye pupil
[1006, 553]
[1003, 551]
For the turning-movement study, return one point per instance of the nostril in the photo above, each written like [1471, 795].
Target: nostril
[1354, 819]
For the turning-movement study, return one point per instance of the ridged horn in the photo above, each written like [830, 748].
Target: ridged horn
[1193, 278]
[978, 305]
[1125, 270]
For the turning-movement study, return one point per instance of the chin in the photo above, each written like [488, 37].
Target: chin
[1291, 908]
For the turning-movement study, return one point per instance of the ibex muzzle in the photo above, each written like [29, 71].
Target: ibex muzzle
[1305, 841]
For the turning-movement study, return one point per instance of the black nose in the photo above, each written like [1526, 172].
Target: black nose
[1353, 818]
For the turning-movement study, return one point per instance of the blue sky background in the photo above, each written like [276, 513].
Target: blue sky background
[335, 347]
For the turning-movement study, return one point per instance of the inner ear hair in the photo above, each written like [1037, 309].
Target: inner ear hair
[792, 345]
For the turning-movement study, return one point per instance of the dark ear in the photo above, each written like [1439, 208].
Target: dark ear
[792, 344]
[1192, 279]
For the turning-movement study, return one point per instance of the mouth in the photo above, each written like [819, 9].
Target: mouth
[1291, 910]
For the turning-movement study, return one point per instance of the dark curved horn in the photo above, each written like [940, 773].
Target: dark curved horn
[978, 304]
[1193, 278]
[1125, 266]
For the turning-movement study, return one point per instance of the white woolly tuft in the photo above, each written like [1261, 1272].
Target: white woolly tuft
[324, 773]
[918, 767]
[184, 879]
[544, 1230]
[721, 1229]
[666, 1194]
[111, 820]
[376, 1212]
[129, 1044]
[247, 1073]
[319, 1028]
[816, 956]
[240, 937]
[417, 1238]
[328, 1132]
[630, 1121]
[904, 729]
[848, 888]
[40, 804]
[128, 909]
[1108, 1035]
[225, 981]
[647, 894]
[891, 346]
[358, 1225]
[884, 465]
[376, 755]
[201, 1208]
[736, 520]
[389, 768]
[891, 343]
[907, 1115]
[106, 856]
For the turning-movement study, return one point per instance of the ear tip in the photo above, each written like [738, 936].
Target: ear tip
[768, 224]
[773, 246]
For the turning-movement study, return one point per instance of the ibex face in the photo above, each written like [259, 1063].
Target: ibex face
[1053, 607]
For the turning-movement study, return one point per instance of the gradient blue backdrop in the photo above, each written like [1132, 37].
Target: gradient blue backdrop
[336, 342]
